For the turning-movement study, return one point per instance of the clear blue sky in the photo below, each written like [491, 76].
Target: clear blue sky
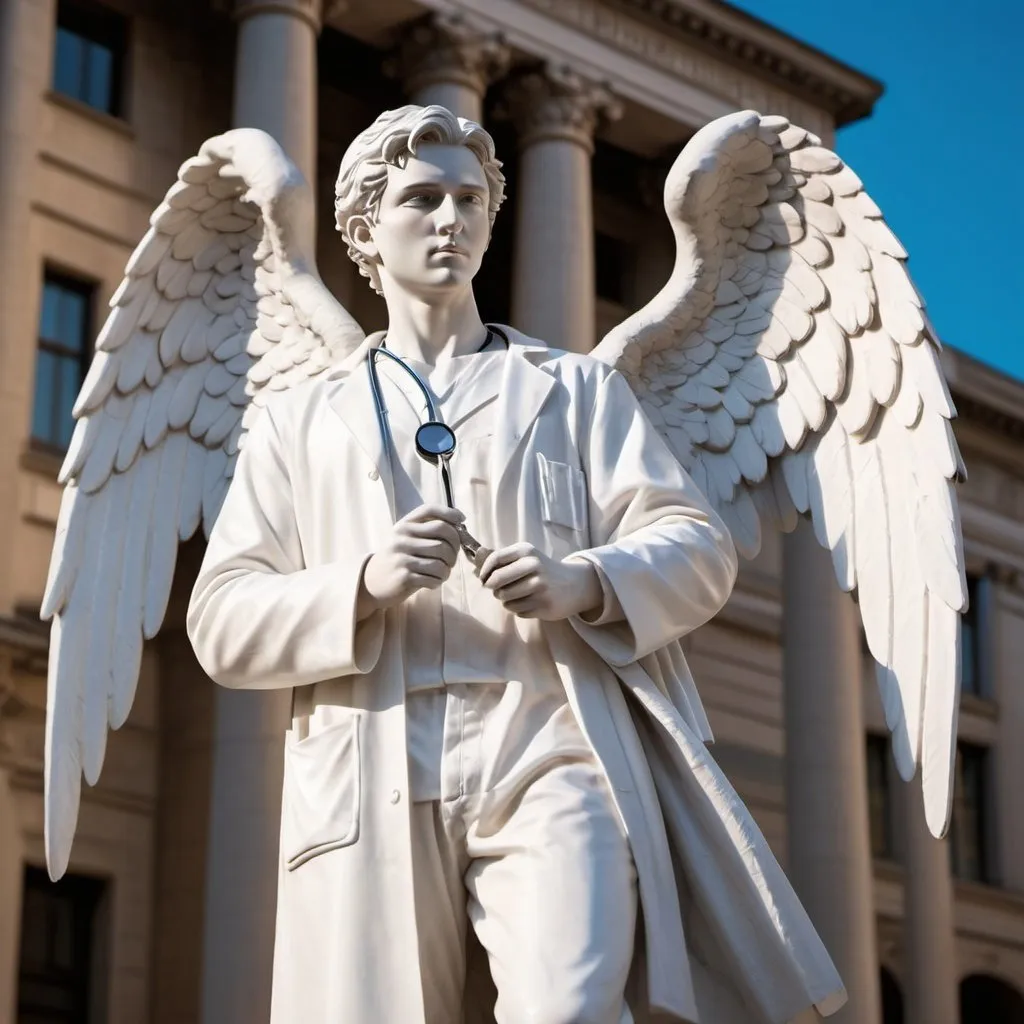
[943, 153]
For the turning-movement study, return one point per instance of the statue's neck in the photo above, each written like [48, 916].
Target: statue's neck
[434, 331]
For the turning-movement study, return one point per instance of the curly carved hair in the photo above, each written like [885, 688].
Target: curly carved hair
[392, 139]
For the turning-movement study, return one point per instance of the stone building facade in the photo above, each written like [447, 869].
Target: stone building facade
[166, 915]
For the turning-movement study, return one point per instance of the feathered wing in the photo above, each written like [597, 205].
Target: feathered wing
[789, 363]
[221, 304]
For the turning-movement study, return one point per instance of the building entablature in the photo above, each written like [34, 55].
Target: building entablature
[675, 65]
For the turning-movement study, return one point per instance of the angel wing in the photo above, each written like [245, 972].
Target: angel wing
[789, 363]
[221, 304]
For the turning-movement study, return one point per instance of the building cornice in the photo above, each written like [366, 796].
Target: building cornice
[985, 396]
[728, 37]
[755, 46]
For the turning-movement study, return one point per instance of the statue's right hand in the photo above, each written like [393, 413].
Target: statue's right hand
[419, 555]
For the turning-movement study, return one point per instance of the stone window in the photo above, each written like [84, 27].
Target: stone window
[62, 357]
[967, 833]
[89, 55]
[61, 976]
[879, 797]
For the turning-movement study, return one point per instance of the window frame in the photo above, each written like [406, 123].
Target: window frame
[87, 290]
[982, 814]
[978, 618]
[86, 901]
[102, 27]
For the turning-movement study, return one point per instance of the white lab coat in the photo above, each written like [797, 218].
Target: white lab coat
[274, 606]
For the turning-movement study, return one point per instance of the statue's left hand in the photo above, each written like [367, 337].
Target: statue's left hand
[533, 585]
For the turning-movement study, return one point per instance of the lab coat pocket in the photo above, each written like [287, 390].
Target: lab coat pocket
[320, 810]
[563, 494]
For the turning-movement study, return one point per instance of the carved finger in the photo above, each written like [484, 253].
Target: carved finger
[508, 574]
[496, 559]
[526, 587]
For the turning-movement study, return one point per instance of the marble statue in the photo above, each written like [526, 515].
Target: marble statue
[497, 754]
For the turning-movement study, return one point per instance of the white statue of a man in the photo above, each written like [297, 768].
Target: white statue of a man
[471, 557]
[460, 749]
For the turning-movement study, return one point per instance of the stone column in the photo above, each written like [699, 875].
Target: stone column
[275, 74]
[928, 922]
[446, 60]
[26, 48]
[556, 113]
[275, 89]
[829, 853]
[12, 866]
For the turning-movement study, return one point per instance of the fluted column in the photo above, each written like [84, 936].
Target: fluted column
[829, 852]
[928, 925]
[444, 59]
[275, 89]
[556, 113]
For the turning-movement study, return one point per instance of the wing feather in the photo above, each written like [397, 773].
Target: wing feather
[789, 363]
[174, 383]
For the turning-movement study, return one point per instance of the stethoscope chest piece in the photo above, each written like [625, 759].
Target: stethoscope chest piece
[435, 441]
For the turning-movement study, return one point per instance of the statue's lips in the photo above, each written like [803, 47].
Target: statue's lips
[449, 250]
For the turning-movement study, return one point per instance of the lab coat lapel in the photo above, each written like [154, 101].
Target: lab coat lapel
[524, 390]
[351, 398]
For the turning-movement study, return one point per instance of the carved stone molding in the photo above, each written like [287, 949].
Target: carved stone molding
[672, 53]
[658, 32]
[308, 10]
[554, 102]
[448, 48]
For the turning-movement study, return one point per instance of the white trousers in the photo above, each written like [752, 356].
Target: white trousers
[545, 876]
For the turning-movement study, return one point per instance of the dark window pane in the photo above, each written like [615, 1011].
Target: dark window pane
[68, 63]
[64, 344]
[89, 54]
[892, 999]
[99, 85]
[61, 943]
[49, 317]
[967, 829]
[879, 806]
[971, 639]
[70, 383]
[74, 315]
[45, 397]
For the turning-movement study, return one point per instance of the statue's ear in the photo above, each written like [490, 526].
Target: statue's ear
[359, 229]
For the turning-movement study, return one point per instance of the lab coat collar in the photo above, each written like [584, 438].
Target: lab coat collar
[524, 390]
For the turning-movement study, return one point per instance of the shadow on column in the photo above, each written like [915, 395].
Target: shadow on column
[988, 1000]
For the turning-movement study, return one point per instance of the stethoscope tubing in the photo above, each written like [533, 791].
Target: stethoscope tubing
[380, 406]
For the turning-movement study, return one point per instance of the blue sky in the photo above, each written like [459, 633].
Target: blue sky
[943, 153]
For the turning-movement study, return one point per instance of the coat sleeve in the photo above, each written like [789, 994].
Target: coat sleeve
[259, 618]
[664, 554]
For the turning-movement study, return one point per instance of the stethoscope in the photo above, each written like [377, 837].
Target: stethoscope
[435, 440]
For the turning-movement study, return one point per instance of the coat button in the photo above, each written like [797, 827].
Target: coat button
[373, 474]
[395, 796]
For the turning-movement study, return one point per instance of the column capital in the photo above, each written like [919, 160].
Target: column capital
[555, 102]
[448, 48]
[310, 11]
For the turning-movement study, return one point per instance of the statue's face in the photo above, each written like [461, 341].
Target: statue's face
[431, 229]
